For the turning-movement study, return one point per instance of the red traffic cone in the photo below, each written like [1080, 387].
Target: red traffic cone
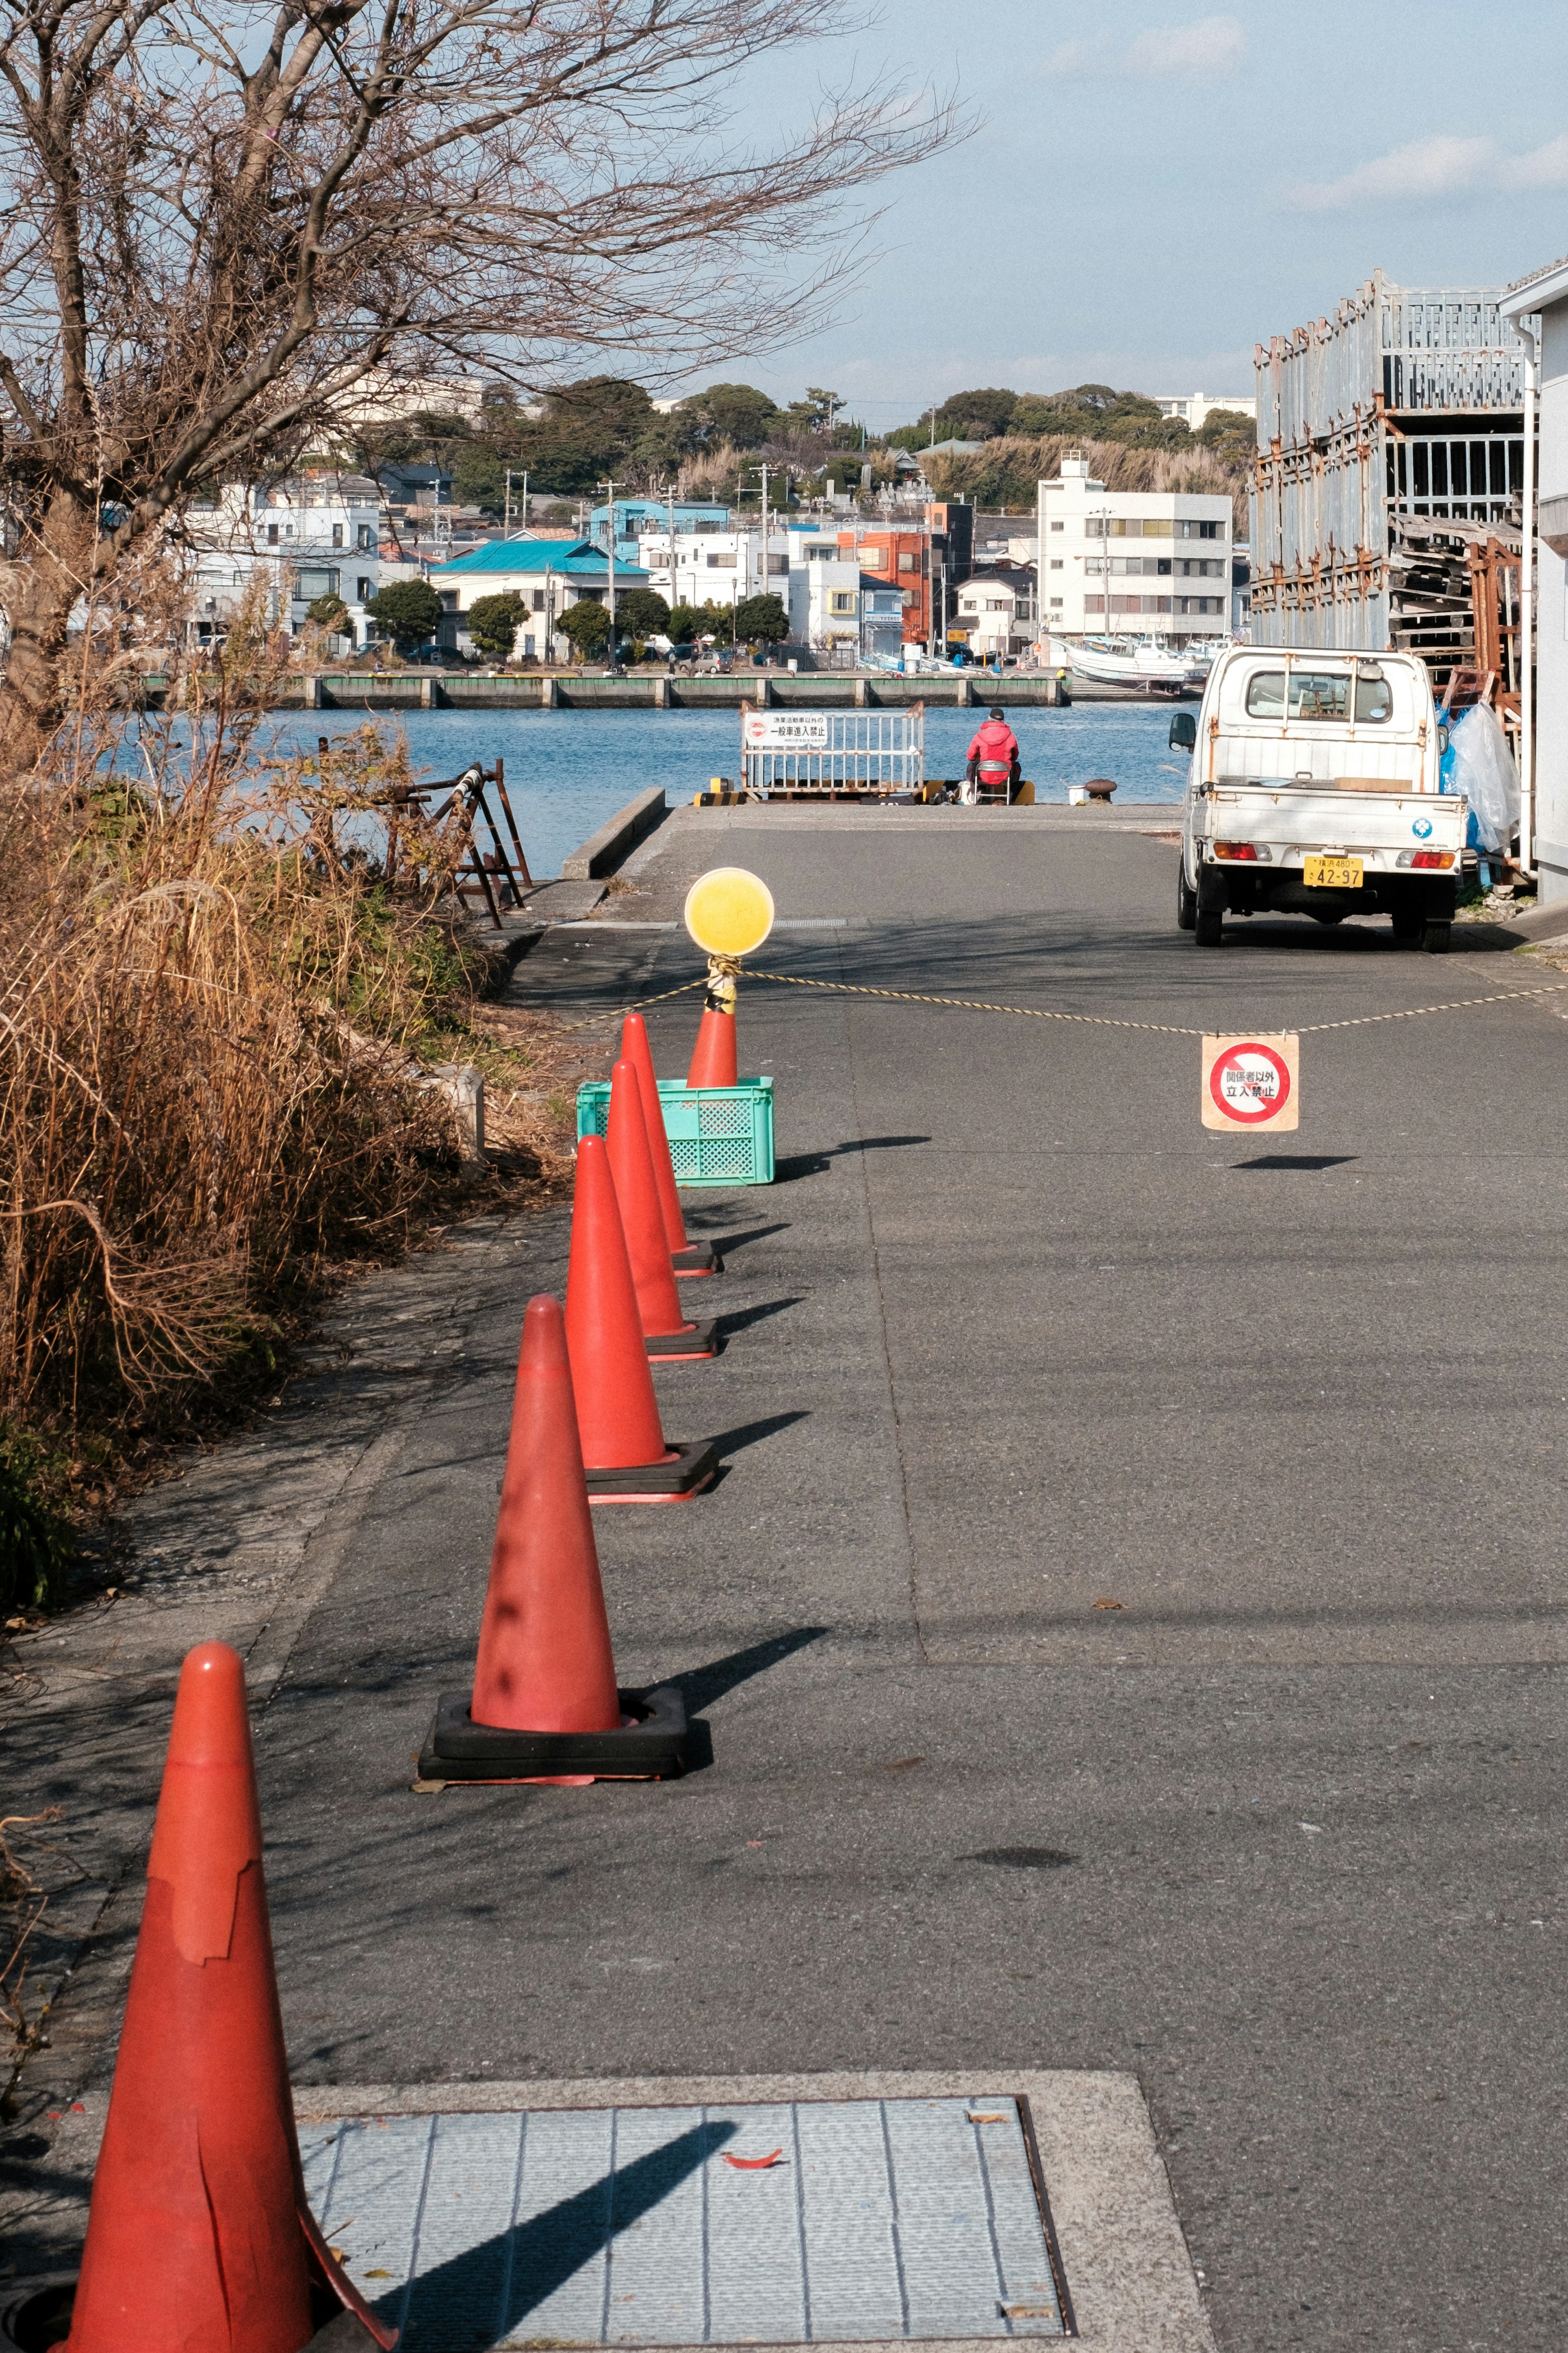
[625, 1457]
[545, 1705]
[665, 1330]
[687, 1257]
[199, 2234]
[714, 1064]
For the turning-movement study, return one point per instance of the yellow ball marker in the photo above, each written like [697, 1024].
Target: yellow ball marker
[729, 911]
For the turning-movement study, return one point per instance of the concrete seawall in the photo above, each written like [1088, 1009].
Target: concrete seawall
[812, 690]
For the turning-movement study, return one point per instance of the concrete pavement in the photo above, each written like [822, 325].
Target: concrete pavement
[1012, 1337]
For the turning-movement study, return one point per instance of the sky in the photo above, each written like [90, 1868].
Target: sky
[1154, 189]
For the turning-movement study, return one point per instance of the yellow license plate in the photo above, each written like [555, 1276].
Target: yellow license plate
[1332, 873]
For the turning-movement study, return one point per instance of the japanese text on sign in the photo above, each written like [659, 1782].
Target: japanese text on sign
[1251, 1082]
[785, 731]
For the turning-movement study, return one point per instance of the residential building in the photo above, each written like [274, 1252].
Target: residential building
[995, 614]
[548, 574]
[1195, 408]
[881, 621]
[900, 558]
[387, 399]
[824, 591]
[714, 567]
[636, 518]
[307, 536]
[408, 485]
[1133, 563]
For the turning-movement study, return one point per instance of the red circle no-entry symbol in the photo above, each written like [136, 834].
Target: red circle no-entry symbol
[1251, 1082]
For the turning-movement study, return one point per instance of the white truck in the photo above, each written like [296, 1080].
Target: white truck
[1314, 791]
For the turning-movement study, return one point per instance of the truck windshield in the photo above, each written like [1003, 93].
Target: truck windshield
[1317, 694]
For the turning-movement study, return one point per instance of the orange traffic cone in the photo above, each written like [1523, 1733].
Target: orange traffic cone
[714, 1064]
[687, 1257]
[625, 1457]
[199, 2234]
[544, 1706]
[665, 1330]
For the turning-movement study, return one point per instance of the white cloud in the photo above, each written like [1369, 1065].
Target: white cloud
[1434, 167]
[1205, 51]
[1543, 167]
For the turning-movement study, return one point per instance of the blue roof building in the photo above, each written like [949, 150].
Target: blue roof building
[548, 574]
[489, 570]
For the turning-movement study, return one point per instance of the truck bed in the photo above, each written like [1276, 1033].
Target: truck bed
[1299, 821]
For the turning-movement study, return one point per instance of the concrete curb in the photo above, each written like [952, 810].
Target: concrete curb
[602, 851]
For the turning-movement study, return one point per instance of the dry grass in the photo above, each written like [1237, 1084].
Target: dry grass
[214, 1008]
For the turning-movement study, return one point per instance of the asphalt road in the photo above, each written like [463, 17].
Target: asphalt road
[1014, 1336]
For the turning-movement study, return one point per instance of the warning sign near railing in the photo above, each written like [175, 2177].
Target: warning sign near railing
[1252, 1081]
[785, 731]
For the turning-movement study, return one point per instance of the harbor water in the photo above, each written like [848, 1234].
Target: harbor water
[568, 771]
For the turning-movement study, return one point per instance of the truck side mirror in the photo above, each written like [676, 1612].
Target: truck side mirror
[1184, 736]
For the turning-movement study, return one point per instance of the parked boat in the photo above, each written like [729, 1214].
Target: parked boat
[1143, 662]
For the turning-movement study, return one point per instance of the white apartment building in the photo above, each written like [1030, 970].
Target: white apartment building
[824, 591]
[311, 535]
[995, 614]
[1195, 408]
[714, 568]
[1140, 563]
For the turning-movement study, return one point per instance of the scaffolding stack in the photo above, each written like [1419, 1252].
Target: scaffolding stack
[1387, 493]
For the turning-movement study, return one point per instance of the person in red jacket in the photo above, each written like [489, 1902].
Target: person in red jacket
[992, 758]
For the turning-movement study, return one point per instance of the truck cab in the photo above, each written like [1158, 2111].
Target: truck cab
[1314, 790]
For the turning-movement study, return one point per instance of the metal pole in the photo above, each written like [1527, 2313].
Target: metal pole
[609, 489]
[1527, 611]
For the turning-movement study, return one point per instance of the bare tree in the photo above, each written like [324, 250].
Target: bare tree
[222, 219]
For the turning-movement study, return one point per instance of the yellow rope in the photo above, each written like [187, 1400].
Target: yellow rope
[1160, 1028]
[617, 1011]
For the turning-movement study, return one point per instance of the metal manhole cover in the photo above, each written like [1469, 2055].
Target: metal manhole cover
[876, 2219]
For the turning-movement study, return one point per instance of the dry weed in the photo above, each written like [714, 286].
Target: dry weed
[221, 972]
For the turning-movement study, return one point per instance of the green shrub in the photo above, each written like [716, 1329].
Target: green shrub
[35, 1548]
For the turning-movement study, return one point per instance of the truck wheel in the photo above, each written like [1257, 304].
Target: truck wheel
[1186, 900]
[1409, 927]
[1208, 926]
[1435, 938]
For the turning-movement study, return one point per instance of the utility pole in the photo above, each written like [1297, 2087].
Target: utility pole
[674, 598]
[609, 491]
[506, 528]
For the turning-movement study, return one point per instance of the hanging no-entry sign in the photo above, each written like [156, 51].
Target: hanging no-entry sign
[1251, 1082]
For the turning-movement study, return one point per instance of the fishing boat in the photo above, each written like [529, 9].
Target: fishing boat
[1143, 662]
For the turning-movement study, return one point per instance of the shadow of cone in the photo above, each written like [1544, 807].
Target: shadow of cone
[624, 1458]
[687, 1257]
[545, 1705]
[714, 1064]
[198, 2235]
[667, 1333]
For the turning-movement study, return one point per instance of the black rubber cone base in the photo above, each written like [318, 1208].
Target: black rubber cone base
[650, 1747]
[680, 1475]
[697, 1258]
[673, 1347]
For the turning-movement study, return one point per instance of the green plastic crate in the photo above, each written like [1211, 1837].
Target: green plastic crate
[718, 1136]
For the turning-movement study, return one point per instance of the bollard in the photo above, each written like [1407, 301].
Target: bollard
[463, 1084]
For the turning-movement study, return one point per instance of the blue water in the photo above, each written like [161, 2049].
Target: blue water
[568, 771]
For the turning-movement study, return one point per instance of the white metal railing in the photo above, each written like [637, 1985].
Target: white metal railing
[826, 752]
